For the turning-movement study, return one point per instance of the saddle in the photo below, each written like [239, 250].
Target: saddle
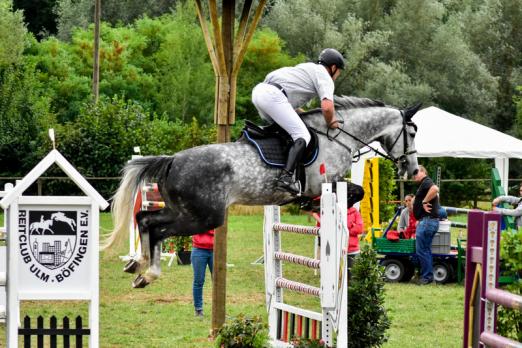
[272, 144]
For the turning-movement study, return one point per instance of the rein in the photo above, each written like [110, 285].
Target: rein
[397, 160]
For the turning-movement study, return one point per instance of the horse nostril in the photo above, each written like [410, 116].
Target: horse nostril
[415, 171]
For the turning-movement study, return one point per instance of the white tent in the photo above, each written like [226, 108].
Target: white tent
[441, 134]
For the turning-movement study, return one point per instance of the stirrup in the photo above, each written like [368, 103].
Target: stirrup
[286, 182]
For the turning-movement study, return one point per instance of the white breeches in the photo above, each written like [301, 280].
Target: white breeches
[273, 106]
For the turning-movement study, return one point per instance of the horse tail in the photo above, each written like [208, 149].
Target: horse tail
[135, 173]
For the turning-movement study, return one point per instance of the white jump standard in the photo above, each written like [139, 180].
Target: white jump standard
[285, 320]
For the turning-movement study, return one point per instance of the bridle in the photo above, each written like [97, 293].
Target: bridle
[397, 160]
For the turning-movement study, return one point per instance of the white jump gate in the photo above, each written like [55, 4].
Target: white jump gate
[286, 320]
[3, 259]
[52, 246]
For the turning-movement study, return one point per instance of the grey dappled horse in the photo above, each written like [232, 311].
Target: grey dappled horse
[198, 184]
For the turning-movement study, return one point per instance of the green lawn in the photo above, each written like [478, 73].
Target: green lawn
[161, 315]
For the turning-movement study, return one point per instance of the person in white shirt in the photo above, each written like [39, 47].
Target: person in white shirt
[515, 202]
[287, 89]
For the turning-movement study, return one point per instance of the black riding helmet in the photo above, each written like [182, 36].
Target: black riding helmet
[330, 56]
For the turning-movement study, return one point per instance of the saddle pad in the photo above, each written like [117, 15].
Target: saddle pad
[274, 150]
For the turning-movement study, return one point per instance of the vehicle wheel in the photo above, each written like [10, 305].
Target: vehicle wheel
[409, 271]
[393, 270]
[442, 272]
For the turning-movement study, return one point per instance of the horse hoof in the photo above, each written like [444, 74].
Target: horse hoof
[139, 282]
[131, 266]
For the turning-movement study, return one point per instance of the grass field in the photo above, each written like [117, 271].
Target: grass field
[161, 315]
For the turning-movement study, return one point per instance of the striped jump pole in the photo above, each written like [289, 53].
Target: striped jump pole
[287, 321]
[148, 198]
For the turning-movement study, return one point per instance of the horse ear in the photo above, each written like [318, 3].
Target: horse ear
[411, 110]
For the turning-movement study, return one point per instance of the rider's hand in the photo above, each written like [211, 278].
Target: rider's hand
[427, 207]
[495, 202]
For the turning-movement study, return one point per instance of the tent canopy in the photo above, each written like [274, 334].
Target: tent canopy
[441, 134]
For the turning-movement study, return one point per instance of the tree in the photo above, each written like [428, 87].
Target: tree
[429, 43]
[23, 110]
[265, 54]
[24, 113]
[39, 16]
[494, 30]
[397, 50]
[79, 13]
[12, 34]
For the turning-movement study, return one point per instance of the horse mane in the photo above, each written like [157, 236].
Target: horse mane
[348, 102]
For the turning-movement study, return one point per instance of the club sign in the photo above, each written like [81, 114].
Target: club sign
[53, 244]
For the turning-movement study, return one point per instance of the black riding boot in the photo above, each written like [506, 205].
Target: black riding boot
[286, 178]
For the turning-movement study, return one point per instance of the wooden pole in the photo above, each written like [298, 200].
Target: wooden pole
[226, 54]
[96, 58]
[225, 108]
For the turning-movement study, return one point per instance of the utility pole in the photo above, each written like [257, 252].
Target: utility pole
[96, 58]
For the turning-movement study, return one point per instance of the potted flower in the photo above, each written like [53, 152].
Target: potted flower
[183, 246]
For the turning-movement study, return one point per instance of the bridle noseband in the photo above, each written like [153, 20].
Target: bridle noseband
[402, 158]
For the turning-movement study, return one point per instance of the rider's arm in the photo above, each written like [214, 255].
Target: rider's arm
[506, 199]
[329, 112]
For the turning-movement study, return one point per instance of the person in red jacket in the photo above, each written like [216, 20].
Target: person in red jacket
[355, 228]
[201, 256]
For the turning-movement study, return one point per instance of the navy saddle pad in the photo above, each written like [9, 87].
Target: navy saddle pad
[272, 143]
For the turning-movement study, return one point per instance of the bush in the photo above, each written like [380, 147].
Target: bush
[243, 332]
[367, 318]
[101, 140]
[300, 342]
[509, 320]
[24, 117]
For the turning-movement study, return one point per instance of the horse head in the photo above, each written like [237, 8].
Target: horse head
[400, 145]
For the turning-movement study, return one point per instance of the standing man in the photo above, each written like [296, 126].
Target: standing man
[426, 211]
[515, 202]
[287, 89]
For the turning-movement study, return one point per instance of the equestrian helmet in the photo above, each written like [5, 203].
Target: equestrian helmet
[330, 56]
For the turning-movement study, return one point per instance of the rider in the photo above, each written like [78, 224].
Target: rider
[285, 90]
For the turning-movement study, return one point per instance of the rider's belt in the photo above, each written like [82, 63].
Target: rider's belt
[278, 86]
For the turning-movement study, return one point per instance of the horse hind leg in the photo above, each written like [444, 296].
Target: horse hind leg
[141, 262]
[153, 272]
[152, 226]
[156, 235]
